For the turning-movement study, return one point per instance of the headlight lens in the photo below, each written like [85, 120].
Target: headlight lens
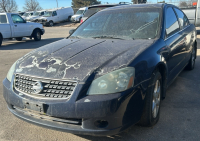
[116, 81]
[11, 71]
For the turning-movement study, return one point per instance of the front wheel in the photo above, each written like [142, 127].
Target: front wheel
[37, 35]
[1, 40]
[51, 23]
[191, 63]
[19, 38]
[151, 111]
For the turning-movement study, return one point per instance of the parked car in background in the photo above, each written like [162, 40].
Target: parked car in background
[95, 8]
[21, 13]
[56, 16]
[27, 14]
[110, 73]
[193, 13]
[79, 14]
[36, 15]
[14, 26]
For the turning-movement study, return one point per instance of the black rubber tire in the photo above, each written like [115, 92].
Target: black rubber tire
[35, 35]
[80, 19]
[147, 118]
[51, 23]
[19, 38]
[1, 40]
[191, 63]
[69, 18]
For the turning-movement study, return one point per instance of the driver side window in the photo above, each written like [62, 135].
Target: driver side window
[54, 13]
[17, 19]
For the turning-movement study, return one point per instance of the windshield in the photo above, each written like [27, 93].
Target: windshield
[133, 23]
[48, 14]
[79, 12]
[26, 14]
[36, 14]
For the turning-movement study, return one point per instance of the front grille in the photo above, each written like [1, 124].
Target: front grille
[51, 88]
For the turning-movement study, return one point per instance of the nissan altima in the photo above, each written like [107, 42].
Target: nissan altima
[109, 74]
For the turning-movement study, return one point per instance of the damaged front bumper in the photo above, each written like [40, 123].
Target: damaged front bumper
[100, 115]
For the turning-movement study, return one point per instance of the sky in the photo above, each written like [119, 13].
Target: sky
[48, 4]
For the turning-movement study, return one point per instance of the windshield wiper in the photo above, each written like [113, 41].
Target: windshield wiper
[75, 37]
[107, 37]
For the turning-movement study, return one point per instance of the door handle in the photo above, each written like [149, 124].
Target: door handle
[15, 25]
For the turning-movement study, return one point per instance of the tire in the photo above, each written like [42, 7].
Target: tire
[1, 39]
[80, 20]
[37, 35]
[69, 18]
[191, 63]
[51, 23]
[150, 117]
[19, 38]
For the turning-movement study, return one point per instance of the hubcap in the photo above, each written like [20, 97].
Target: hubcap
[51, 23]
[38, 35]
[193, 56]
[156, 99]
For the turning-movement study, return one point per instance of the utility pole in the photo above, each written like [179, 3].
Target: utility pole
[57, 3]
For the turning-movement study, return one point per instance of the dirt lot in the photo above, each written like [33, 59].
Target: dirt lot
[179, 118]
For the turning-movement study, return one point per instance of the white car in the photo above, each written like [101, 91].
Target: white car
[27, 14]
[36, 15]
[14, 26]
[56, 16]
[79, 14]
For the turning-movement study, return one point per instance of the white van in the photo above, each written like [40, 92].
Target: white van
[36, 15]
[79, 14]
[56, 16]
[27, 14]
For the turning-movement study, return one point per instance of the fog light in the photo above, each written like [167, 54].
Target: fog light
[101, 123]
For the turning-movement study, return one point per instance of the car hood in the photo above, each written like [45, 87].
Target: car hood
[77, 59]
[75, 16]
[33, 17]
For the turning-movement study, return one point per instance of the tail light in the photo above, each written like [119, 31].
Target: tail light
[81, 20]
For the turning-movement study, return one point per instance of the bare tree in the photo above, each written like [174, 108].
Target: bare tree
[8, 6]
[183, 4]
[32, 5]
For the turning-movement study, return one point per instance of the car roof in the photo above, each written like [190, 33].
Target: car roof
[136, 6]
[105, 5]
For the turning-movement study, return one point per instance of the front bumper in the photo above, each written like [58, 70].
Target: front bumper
[119, 111]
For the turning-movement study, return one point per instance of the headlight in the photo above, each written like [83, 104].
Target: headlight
[116, 81]
[11, 71]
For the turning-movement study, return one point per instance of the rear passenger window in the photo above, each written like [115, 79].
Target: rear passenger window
[171, 22]
[182, 18]
[3, 19]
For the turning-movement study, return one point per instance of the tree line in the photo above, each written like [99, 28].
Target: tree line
[11, 6]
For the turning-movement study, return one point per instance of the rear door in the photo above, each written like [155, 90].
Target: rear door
[20, 27]
[175, 41]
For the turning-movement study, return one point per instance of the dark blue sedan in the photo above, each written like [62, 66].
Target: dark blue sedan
[110, 73]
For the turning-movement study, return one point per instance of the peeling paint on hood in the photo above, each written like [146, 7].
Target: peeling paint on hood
[78, 58]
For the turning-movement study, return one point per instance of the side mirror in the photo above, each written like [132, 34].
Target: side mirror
[71, 31]
[24, 21]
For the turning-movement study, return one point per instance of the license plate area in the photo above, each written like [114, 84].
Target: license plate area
[33, 106]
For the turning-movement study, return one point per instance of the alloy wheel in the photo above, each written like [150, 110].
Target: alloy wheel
[156, 99]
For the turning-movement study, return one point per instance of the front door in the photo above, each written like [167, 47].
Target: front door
[176, 42]
[20, 27]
